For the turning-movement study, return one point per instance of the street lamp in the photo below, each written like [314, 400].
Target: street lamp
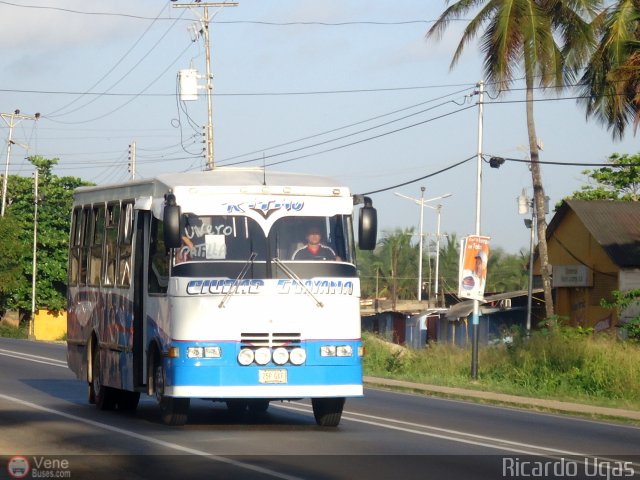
[439, 210]
[423, 203]
[524, 203]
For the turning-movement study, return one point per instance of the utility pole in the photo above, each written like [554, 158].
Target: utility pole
[421, 241]
[132, 160]
[35, 270]
[204, 20]
[476, 303]
[11, 119]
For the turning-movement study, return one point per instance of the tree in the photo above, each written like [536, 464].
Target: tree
[522, 35]
[400, 259]
[449, 264]
[611, 81]
[619, 183]
[506, 272]
[16, 262]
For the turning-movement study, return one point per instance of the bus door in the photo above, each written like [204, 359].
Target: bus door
[150, 285]
[139, 289]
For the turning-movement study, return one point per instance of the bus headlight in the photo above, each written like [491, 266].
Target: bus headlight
[195, 352]
[280, 356]
[245, 357]
[262, 356]
[212, 352]
[328, 351]
[298, 356]
[344, 350]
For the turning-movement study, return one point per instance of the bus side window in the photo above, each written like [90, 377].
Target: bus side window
[158, 259]
[124, 245]
[97, 240]
[74, 245]
[111, 239]
[85, 244]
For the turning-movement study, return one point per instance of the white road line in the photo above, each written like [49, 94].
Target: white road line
[162, 443]
[33, 358]
[456, 436]
[428, 431]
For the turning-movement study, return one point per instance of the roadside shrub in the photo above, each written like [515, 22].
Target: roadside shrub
[556, 362]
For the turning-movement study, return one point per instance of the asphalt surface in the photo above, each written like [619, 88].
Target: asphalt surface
[546, 404]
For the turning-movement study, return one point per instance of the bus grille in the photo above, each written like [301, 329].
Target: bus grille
[269, 339]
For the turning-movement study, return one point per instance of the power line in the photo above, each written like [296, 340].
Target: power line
[80, 12]
[128, 101]
[135, 44]
[384, 134]
[409, 182]
[565, 164]
[244, 94]
[357, 133]
[326, 132]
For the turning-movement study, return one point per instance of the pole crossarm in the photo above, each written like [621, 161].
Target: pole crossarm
[205, 4]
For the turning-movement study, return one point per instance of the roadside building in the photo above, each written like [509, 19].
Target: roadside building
[594, 249]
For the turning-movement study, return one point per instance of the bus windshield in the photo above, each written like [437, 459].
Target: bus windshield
[219, 238]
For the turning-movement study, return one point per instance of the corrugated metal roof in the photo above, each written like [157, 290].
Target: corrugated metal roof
[614, 225]
[465, 307]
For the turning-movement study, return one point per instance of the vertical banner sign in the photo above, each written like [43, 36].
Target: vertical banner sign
[474, 254]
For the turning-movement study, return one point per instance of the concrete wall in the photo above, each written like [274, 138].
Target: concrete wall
[49, 325]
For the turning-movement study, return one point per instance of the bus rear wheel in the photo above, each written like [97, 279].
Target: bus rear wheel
[104, 397]
[173, 411]
[128, 401]
[327, 411]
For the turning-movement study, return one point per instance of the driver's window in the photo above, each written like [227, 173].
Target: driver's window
[311, 238]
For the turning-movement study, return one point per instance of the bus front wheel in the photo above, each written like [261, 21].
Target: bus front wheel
[327, 411]
[174, 411]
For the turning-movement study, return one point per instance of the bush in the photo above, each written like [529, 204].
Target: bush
[558, 362]
[13, 332]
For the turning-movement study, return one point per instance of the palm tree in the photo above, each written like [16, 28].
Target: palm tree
[612, 78]
[396, 252]
[522, 36]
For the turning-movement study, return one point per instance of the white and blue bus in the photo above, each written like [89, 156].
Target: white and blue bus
[186, 286]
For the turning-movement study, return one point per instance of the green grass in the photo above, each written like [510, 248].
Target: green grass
[12, 332]
[562, 364]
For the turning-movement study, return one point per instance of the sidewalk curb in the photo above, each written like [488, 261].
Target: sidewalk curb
[505, 398]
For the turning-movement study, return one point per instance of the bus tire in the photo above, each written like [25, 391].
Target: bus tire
[236, 408]
[128, 401]
[258, 406]
[91, 394]
[327, 411]
[173, 411]
[105, 397]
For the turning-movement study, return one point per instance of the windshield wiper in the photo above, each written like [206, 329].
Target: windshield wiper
[299, 281]
[236, 282]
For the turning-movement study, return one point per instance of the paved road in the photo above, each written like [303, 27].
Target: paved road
[44, 417]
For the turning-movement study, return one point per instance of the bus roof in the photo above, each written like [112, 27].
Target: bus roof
[230, 180]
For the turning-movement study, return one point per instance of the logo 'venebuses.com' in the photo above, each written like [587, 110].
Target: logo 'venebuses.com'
[18, 467]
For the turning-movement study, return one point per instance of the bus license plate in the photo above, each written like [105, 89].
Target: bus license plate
[272, 376]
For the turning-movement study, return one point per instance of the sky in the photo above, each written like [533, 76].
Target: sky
[351, 89]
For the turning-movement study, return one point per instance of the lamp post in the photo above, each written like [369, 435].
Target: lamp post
[423, 203]
[435, 290]
[523, 208]
[524, 203]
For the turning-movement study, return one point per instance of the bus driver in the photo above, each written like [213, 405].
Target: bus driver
[314, 250]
